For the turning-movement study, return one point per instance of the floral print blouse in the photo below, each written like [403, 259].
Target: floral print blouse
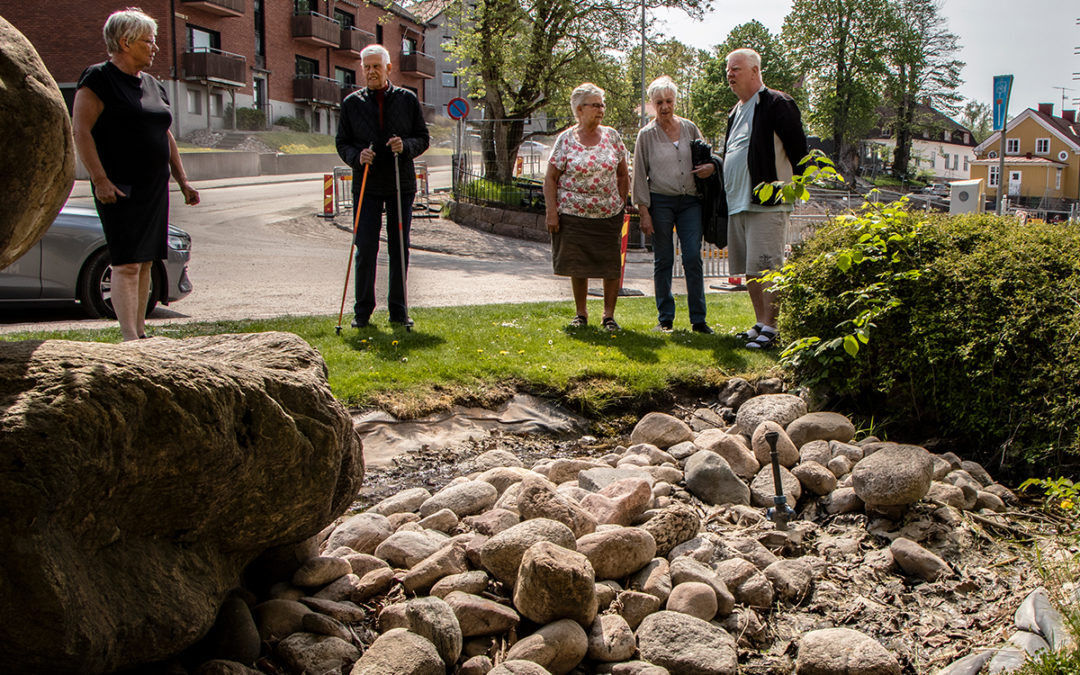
[587, 187]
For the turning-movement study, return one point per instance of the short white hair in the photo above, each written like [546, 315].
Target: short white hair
[376, 49]
[749, 54]
[127, 24]
[662, 84]
[582, 92]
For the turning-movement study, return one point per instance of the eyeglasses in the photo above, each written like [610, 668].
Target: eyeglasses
[598, 106]
[150, 41]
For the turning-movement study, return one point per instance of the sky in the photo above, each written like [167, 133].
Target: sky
[1035, 41]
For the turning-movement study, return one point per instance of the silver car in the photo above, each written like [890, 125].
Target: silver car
[71, 263]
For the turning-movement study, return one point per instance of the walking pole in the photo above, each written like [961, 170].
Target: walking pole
[401, 243]
[348, 267]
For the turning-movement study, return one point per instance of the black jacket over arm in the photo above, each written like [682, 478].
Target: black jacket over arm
[358, 128]
[777, 140]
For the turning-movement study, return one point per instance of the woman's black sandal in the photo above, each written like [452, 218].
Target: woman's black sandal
[750, 333]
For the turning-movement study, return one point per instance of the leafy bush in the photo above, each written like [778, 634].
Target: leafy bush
[247, 119]
[520, 194]
[966, 326]
[294, 123]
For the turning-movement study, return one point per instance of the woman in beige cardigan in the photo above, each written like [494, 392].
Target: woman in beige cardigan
[667, 199]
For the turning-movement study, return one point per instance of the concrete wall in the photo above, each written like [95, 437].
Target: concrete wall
[517, 224]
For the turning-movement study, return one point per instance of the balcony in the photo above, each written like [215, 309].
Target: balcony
[219, 7]
[417, 64]
[316, 29]
[353, 40]
[347, 89]
[214, 65]
[316, 89]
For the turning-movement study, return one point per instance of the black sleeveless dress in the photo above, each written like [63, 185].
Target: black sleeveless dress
[131, 136]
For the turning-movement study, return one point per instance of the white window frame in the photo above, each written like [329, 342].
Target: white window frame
[993, 176]
[1042, 146]
[1012, 146]
[967, 166]
[448, 75]
[956, 161]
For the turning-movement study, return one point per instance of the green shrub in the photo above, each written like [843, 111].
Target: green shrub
[965, 326]
[294, 123]
[248, 119]
[520, 194]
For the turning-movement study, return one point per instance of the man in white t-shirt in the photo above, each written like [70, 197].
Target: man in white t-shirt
[764, 143]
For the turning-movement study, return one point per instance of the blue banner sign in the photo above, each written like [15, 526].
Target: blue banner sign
[1002, 88]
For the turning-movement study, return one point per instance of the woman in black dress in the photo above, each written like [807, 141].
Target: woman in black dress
[121, 125]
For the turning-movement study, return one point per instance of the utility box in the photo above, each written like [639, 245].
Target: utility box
[966, 196]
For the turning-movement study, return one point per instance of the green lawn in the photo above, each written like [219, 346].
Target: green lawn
[478, 353]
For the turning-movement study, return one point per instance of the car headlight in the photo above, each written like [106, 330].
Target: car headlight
[178, 243]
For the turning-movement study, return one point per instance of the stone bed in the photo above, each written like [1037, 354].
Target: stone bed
[657, 558]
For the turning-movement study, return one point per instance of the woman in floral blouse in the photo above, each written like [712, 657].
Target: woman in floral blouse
[585, 192]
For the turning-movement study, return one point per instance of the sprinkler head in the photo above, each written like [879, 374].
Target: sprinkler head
[337, 330]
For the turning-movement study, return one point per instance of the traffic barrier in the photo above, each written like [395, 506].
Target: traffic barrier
[343, 181]
[328, 204]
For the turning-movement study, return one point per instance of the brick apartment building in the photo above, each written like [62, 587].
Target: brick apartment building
[283, 57]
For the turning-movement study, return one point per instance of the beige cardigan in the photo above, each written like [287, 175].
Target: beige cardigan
[659, 166]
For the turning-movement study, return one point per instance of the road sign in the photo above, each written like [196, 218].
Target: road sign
[1002, 87]
[457, 108]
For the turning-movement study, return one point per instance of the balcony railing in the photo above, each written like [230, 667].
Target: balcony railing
[354, 40]
[316, 89]
[418, 64]
[219, 7]
[214, 65]
[316, 29]
[347, 89]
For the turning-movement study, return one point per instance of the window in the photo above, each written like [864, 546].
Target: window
[967, 167]
[260, 29]
[304, 6]
[408, 46]
[217, 105]
[344, 19]
[945, 166]
[345, 77]
[1042, 146]
[1057, 183]
[1012, 146]
[995, 176]
[449, 79]
[378, 33]
[306, 67]
[194, 101]
[202, 40]
[955, 162]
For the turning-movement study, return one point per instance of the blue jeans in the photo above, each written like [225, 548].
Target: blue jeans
[367, 253]
[683, 214]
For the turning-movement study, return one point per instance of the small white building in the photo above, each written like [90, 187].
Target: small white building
[940, 146]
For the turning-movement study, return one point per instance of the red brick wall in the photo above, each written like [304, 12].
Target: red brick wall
[67, 34]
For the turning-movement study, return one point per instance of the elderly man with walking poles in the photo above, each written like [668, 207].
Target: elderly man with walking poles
[381, 128]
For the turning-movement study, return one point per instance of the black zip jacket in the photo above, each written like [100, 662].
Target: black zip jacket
[714, 209]
[358, 127]
[777, 140]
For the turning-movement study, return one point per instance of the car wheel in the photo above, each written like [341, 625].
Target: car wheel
[95, 287]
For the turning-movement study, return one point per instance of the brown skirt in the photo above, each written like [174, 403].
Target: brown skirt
[587, 247]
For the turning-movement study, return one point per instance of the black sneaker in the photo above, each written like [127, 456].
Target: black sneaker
[360, 323]
[663, 327]
[406, 322]
[702, 328]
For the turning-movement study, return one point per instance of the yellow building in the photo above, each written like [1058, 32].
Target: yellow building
[1042, 160]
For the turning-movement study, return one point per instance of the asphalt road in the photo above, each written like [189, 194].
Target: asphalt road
[258, 251]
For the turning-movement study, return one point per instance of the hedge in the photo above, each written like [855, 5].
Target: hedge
[967, 327]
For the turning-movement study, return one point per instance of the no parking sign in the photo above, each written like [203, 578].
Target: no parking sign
[457, 109]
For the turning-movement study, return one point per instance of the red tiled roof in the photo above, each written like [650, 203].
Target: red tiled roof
[1063, 125]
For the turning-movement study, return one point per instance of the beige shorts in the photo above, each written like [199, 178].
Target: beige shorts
[756, 241]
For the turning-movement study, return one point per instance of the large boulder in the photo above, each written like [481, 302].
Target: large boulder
[780, 408]
[686, 645]
[895, 475]
[37, 157]
[138, 480]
